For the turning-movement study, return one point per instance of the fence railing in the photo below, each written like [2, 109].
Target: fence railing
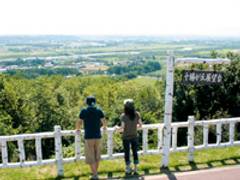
[58, 134]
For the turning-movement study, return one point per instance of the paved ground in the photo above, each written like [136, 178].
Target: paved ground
[228, 173]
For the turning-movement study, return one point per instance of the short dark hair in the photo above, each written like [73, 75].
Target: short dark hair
[90, 100]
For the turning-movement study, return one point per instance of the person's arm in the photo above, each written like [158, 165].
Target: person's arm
[79, 123]
[104, 123]
[139, 123]
[120, 128]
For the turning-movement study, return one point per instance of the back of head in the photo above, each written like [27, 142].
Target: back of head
[90, 100]
[129, 108]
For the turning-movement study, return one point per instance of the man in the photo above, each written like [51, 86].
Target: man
[92, 118]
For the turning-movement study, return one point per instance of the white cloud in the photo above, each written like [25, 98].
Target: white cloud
[122, 17]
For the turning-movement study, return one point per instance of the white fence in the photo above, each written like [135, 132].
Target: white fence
[58, 134]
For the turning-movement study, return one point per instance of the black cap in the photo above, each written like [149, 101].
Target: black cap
[90, 100]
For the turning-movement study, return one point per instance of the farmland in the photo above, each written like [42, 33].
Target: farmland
[95, 55]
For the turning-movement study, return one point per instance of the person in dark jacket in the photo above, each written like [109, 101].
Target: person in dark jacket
[92, 118]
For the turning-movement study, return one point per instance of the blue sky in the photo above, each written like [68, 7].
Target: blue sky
[120, 17]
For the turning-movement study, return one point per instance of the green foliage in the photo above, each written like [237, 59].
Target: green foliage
[21, 62]
[36, 105]
[208, 101]
[36, 72]
[135, 69]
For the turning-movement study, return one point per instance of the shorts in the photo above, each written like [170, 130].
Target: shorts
[92, 150]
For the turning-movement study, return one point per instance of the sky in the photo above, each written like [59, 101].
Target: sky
[120, 17]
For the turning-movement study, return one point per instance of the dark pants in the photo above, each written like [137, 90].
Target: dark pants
[134, 145]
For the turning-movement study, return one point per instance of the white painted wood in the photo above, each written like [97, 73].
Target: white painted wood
[205, 134]
[21, 151]
[160, 138]
[174, 137]
[219, 133]
[58, 150]
[152, 126]
[4, 152]
[209, 122]
[168, 111]
[28, 136]
[145, 140]
[159, 127]
[38, 146]
[191, 138]
[110, 143]
[231, 132]
[78, 145]
[28, 164]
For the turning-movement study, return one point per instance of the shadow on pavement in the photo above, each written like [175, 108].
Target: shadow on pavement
[168, 173]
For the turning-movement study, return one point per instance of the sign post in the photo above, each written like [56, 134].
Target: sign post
[168, 111]
[195, 77]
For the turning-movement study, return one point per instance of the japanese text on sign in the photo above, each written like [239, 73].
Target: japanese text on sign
[206, 77]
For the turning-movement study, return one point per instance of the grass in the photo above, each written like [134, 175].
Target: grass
[149, 165]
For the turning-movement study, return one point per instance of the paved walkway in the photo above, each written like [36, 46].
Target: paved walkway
[227, 173]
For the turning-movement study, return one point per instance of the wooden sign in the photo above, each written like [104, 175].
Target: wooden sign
[202, 77]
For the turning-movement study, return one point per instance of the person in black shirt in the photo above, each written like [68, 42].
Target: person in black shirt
[92, 118]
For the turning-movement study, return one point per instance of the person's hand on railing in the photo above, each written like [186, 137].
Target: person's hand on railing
[78, 131]
[105, 129]
[118, 129]
[139, 127]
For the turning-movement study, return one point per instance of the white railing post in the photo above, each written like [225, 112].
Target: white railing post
[38, 146]
[4, 152]
[145, 140]
[191, 138]
[58, 150]
[110, 142]
[160, 138]
[231, 132]
[205, 134]
[219, 133]
[21, 151]
[174, 137]
[168, 111]
[78, 145]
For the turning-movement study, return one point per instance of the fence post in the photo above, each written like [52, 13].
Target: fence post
[4, 152]
[219, 133]
[21, 151]
[58, 150]
[38, 145]
[231, 132]
[110, 143]
[78, 145]
[145, 140]
[205, 134]
[168, 111]
[160, 138]
[190, 138]
[174, 137]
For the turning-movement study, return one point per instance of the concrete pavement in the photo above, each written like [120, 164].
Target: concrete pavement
[225, 173]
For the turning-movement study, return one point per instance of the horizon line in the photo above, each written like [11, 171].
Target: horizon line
[126, 35]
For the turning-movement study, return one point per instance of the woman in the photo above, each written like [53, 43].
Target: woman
[130, 121]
